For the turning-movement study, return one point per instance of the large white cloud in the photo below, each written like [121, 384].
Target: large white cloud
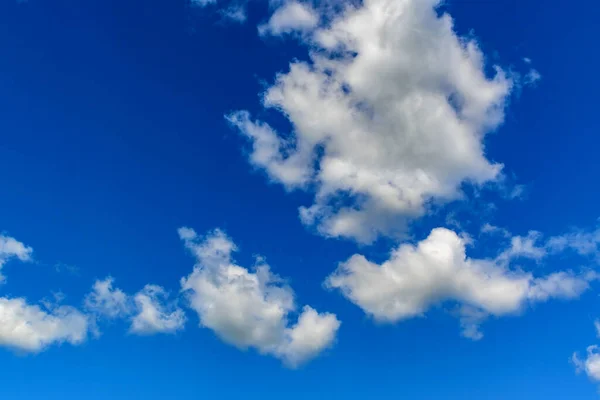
[251, 309]
[389, 112]
[437, 270]
[148, 310]
[12, 248]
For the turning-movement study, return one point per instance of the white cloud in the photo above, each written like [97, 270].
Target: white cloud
[493, 229]
[471, 319]
[389, 113]
[590, 364]
[532, 77]
[562, 285]
[30, 328]
[146, 309]
[153, 316]
[437, 270]
[291, 16]
[202, 3]
[106, 301]
[11, 248]
[236, 12]
[582, 242]
[251, 309]
[524, 247]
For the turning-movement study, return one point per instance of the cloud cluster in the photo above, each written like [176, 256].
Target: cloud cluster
[148, 310]
[437, 270]
[251, 308]
[389, 113]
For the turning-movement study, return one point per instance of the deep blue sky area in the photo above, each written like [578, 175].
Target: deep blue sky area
[112, 136]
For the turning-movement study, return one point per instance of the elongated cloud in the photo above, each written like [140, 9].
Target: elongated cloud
[389, 112]
[437, 270]
[583, 242]
[30, 328]
[251, 309]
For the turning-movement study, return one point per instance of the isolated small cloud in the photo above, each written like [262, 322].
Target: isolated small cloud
[490, 229]
[532, 77]
[235, 12]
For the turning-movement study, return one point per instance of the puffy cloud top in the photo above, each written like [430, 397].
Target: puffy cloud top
[251, 308]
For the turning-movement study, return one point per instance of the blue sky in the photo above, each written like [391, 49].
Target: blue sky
[449, 239]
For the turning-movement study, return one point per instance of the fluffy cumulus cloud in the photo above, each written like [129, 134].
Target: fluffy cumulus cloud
[11, 248]
[149, 309]
[251, 309]
[389, 113]
[437, 270]
[31, 328]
